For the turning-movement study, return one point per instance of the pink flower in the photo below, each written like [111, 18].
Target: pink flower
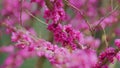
[117, 31]
[117, 42]
[110, 53]
[118, 56]
[15, 36]
[57, 13]
[8, 49]
[91, 42]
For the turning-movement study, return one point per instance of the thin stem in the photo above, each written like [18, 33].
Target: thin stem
[112, 4]
[49, 4]
[102, 19]
[35, 17]
[81, 13]
[40, 62]
[21, 1]
[105, 36]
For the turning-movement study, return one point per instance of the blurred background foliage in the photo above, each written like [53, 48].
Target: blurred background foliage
[42, 32]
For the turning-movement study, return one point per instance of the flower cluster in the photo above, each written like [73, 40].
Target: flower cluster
[66, 35]
[107, 55]
[117, 43]
[55, 11]
[11, 11]
[81, 32]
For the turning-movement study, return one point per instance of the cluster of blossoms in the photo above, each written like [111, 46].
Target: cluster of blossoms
[74, 44]
[11, 10]
[66, 35]
[55, 11]
[110, 54]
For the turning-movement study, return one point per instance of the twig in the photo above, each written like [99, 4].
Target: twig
[80, 14]
[105, 36]
[49, 4]
[21, 1]
[111, 4]
[102, 19]
[35, 17]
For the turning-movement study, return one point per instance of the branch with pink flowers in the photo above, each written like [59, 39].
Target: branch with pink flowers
[81, 33]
